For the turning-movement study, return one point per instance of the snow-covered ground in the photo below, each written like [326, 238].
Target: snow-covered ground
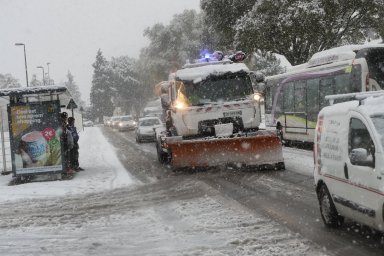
[80, 216]
[103, 171]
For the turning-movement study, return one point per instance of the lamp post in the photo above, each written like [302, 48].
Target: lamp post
[49, 77]
[43, 73]
[25, 60]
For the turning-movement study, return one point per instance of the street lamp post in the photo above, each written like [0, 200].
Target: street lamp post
[49, 77]
[43, 73]
[25, 61]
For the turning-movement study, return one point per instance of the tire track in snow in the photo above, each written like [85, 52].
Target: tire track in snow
[289, 199]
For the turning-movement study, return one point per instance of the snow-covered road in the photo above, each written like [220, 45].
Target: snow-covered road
[105, 211]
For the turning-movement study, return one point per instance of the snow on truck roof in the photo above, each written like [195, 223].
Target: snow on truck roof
[214, 68]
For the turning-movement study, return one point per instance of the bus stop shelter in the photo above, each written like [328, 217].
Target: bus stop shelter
[35, 128]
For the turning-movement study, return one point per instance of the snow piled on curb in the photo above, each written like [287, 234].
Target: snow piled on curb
[103, 171]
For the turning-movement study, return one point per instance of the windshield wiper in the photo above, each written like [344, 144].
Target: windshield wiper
[238, 99]
[202, 103]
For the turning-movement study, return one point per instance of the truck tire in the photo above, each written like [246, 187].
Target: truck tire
[280, 166]
[327, 209]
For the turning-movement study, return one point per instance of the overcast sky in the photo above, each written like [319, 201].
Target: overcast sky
[68, 33]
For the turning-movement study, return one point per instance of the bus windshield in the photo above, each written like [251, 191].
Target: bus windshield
[375, 61]
[218, 89]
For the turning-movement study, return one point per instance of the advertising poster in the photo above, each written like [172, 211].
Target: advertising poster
[35, 137]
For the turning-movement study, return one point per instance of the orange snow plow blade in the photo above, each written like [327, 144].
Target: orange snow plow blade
[263, 147]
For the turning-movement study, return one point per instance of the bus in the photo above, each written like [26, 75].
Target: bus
[294, 99]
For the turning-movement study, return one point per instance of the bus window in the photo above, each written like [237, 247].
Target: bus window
[375, 61]
[342, 76]
[289, 102]
[356, 78]
[326, 88]
[278, 99]
[268, 98]
[300, 95]
[313, 96]
[342, 84]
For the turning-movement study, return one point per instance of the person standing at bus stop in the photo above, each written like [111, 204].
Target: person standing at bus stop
[74, 152]
[67, 142]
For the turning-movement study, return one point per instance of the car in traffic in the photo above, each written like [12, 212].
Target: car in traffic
[107, 122]
[114, 121]
[146, 128]
[88, 123]
[126, 123]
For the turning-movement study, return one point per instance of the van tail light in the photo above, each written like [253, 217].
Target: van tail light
[316, 146]
[367, 82]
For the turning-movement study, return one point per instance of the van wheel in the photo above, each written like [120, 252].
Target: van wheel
[328, 210]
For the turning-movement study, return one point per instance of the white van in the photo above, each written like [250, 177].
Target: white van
[349, 160]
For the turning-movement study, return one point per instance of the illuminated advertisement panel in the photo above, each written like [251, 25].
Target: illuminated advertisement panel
[35, 130]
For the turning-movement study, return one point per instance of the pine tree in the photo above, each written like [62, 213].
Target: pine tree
[101, 93]
[8, 81]
[124, 82]
[73, 89]
[171, 46]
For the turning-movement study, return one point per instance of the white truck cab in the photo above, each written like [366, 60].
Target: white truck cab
[349, 160]
[207, 97]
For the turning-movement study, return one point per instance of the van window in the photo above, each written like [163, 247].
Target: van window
[378, 122]
[359, 137]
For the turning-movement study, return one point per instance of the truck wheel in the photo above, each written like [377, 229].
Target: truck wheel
[280, 166]
[328, 210]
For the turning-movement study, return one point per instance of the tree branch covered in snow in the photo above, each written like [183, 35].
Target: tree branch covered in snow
[294, 28]
[8, 81]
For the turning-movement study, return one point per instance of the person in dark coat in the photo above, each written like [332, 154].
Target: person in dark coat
[67, 144]
[74, 152]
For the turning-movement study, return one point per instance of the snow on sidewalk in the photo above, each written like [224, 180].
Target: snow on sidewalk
[103, 171]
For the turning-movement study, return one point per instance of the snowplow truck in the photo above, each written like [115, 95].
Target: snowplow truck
[212, 119]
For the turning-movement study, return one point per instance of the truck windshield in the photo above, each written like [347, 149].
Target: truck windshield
[218, 89]
[378, 122]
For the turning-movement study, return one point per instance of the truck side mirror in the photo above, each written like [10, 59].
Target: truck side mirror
[256, 76]
[259, 77]
[360, 156]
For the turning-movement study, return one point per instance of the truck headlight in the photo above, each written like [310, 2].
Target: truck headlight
[257, 97]
[180, 105]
